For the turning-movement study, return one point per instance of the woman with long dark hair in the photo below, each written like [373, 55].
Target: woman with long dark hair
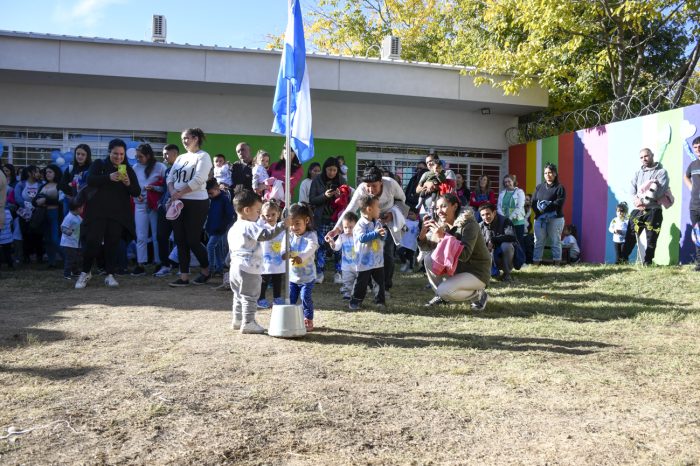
[277, 170]
[547, 203]
[482, 194]
[324, 190]
[75, 177]
[25, 191]
[312, 172]
[151, 176]
[473, 271]
[108, 216]
[187, 182]
[48, 198]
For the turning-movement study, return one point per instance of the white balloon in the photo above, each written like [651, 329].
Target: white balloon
[60, 161]
[131, 153]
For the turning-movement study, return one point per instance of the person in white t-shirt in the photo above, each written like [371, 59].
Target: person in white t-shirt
[187, 181]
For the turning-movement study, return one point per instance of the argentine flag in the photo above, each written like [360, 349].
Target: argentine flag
[293, 68]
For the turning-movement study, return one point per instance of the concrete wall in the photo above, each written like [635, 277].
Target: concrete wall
[62, 106]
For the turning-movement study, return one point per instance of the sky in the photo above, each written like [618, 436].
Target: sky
[235, 23]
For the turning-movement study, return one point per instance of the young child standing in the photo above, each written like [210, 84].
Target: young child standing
[244, 240]
[303, 243]
[569, 242]
[618, 227]
[219, 220]
[348, 265]
[409, 241]
[222, 172]
[273, 264]
[369, 236]
[70, 241]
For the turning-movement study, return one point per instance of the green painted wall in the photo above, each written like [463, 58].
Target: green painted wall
[323, 148]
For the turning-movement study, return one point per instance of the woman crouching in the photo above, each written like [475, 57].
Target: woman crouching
[473, 269]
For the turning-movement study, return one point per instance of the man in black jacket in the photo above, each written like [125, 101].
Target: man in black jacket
[242, 171]
[499, 235]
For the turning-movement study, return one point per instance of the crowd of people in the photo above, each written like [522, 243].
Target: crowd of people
[229, 219]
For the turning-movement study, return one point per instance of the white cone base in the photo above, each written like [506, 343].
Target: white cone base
[286, 321]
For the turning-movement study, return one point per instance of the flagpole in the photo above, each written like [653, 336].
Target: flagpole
[287, 173]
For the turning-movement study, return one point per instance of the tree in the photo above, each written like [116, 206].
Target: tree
[581, 51]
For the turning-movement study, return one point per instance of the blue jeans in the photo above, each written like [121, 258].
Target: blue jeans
[215, 252]
[549, 229]
[52, 238]
[307, 303]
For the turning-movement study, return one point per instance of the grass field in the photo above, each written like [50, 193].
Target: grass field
[575, 365]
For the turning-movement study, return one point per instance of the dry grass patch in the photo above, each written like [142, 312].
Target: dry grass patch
[586, 364]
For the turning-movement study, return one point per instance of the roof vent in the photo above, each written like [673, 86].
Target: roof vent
[391, 48]
[159, 28]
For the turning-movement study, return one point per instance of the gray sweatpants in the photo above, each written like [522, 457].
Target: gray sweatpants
[246, 290]
[349, 277]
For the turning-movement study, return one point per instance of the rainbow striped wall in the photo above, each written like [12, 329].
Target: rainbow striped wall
[596, 166]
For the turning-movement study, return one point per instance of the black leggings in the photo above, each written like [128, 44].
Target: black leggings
[187, 228]
[99, 230]
[276, 279]
[164, 228]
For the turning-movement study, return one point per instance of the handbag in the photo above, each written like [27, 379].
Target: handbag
[36, 221]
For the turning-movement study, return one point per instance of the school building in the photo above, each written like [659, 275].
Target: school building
[58, 91]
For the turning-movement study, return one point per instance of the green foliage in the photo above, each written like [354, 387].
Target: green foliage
[582, 52]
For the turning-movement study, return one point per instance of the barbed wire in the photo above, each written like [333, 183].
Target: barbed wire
[654, 100]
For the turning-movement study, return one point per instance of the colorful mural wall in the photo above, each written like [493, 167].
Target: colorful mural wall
[596, 166]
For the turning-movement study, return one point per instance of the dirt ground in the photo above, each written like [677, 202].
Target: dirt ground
[146, 374]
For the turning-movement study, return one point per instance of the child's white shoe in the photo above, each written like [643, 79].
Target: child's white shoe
[252, 328]
[236, 323]
[338, 278]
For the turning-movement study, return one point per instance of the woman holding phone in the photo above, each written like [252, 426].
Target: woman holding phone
[108, 216]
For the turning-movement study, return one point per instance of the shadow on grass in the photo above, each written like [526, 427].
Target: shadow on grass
[333, 336]
[19, 337]
[55, 373]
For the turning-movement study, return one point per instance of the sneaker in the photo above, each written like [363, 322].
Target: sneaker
[179, 283]
[263, 304]
[236, 323]
[347, 297]
[697, 267]
[138, 271]
[436, 301]
[278, 301]
[338, 278]
[480, 303]
[319, 278]
[163, 272]
[67, 277]
[252, 328]
[404, 267]
[309, 325]
[354, 306]
[201, 279]
[82, 280]
[111, 282]
[222, 287]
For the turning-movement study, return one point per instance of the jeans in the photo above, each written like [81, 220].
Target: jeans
[551, 229]
[145, 219]
[502, 259]
[307, 303]
[52, 238]
[215, 252]
[72, 260]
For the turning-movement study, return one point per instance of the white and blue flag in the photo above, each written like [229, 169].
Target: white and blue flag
[293, 68]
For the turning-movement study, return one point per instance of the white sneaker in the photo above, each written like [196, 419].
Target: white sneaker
[404, 267]
[111, 282]
[82, 280]
[338, 278]
[163, 272]
[480, 304]
[252, 328]
[236, 323]
[319, 278]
